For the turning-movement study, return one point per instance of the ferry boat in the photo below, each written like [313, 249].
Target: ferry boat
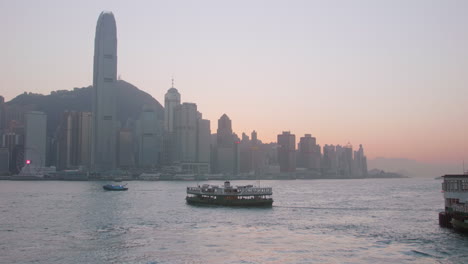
[455, 189]
[110, 187]
[228, 195]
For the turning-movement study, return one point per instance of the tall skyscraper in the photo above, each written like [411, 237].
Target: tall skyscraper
[104, 94]
[329, 161]
[203, 141]
[360, 163]
[185, 127]
[149, 138]
[224, 133]
[73, 140]
[309, 155]
[35, 139]
[171, 101]
[125, 149]
[2, 114]
[287, 152]
[227, 152]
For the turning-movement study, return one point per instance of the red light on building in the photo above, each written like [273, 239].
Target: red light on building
[237, 142]
[28, 162]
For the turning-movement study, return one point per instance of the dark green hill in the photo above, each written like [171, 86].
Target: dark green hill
[130, 101]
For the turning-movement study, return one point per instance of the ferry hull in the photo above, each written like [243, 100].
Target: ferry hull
[113, 188]
[459, 225]
[236, 202]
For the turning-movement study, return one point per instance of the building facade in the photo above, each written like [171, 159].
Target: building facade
[105, 126]
[35, 138]
[287, 152]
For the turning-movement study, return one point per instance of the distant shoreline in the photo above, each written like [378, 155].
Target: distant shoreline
[13, 178]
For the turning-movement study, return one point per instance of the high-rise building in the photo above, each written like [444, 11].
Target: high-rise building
[245, 154]
[171, 101]
[105, 126]
[125, 149]
[305, 151]
[227, 151]
[14, 142]
[203, 141]
[347, 161]
[185, 128]
[287, 152]
[73, 140]
[360, 163]
[149, 138]
[329, 161]
[4, 161]
[309, 155]
[35, 139]
[225, 137]
[2, 114]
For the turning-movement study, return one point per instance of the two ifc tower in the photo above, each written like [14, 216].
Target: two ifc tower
[104, 134]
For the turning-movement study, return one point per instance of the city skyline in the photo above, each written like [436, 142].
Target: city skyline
[270, 76]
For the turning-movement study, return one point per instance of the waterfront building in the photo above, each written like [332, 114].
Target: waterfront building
[287, 152]
[73, 140]
[14, 143]
[330, 161]
[149, 134]
[224, 135]
[2, 115]
[227, 151]
[185, 128]
[171, 102]
[35, 139]
[258, 154]
[104, 94]
[245, 154]
[309, 155]
[126, 158]
[203, 141]
[4, 161]
[360, 163]
[346, 160]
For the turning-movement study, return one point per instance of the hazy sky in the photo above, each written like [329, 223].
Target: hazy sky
[391, 75]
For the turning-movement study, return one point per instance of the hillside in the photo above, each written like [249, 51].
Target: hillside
[130, 101]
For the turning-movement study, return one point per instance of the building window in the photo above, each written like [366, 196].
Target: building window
[108, 79]
[108, 56]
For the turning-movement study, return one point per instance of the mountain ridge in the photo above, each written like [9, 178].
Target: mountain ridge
[130, 102]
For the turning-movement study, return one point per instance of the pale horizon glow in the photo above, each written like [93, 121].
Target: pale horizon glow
[391, 75]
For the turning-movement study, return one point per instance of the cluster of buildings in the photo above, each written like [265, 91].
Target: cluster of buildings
[179, 142]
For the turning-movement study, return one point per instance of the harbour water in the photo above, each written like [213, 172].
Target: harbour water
[311, 221]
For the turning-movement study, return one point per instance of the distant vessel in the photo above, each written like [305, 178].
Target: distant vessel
[455, 189]
[228, 195]
[110, 187]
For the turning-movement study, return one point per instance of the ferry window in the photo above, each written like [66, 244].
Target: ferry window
[464, 185]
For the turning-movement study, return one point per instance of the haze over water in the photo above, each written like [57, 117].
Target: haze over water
[312, 221]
